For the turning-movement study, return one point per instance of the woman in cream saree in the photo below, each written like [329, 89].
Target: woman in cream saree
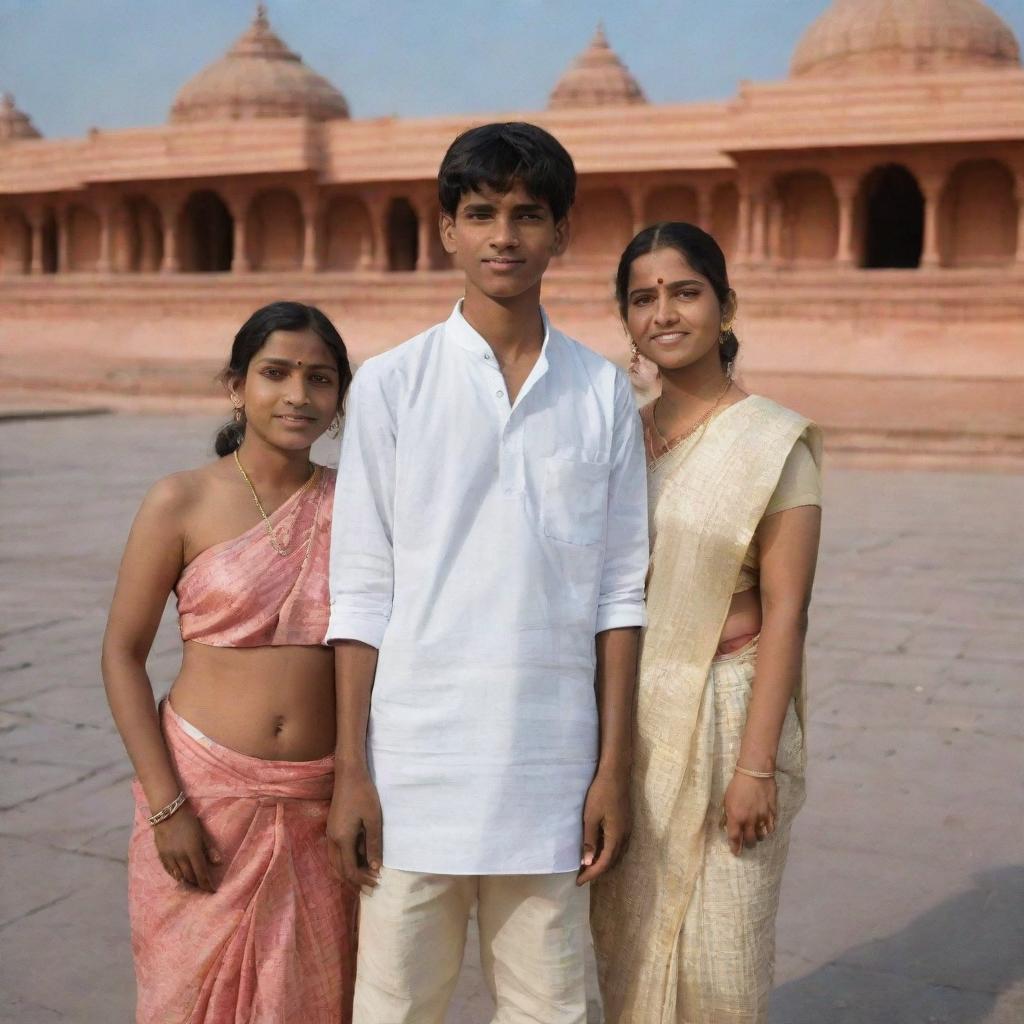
[684, 926]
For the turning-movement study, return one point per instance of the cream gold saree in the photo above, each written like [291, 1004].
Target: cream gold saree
[651, 915]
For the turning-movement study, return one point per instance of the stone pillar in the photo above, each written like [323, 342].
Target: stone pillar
[378, 208]
[931, 186]
[426, 222]
[1020, 219]
[105, 264]
[35, 221]
[705, 193]
[846, 196]
[170, 211]
[776, 214]
[637, 196]
[239, 207]
[743, 213]
[758, 232]
[61, 215]
[311, 234]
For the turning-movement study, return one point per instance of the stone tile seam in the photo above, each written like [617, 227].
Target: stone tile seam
[17, 805]
[35, 910]
[74, 851]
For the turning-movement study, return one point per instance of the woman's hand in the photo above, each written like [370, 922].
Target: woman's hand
[750, 810]
[185, 850]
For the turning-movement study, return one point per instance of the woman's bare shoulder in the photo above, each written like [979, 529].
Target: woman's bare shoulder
[179, 493]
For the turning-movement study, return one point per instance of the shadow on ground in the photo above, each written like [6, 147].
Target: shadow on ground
[951, 965]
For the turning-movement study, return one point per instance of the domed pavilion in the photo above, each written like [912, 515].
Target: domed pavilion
[878, 37]
[14, 124]
[596, 78]
[258, 77]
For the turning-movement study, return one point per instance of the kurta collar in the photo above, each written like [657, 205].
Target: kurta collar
[459, 330]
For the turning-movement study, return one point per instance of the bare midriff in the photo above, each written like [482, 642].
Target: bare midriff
[743, 622]
[275, 703]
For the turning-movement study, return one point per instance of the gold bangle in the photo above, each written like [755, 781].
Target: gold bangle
[165, 812]
[754, 774]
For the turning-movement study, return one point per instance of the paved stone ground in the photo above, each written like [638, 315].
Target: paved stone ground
[904, 901]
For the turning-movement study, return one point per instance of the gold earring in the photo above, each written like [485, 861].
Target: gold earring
[335, 428]
[634, 361]
[239, 414]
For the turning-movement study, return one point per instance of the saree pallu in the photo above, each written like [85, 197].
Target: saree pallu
[724, 959]
[276, 942]
[707, 498]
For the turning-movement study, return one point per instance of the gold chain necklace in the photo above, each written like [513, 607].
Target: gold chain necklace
[676, 441]
[266, 519]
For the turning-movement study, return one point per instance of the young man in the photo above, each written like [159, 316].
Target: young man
[491, 521]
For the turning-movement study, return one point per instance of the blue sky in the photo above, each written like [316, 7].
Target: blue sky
[72, 64]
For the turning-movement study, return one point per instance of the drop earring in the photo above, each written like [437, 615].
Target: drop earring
[634, 360]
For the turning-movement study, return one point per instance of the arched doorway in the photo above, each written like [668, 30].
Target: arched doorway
[206, 236]
[809, 232]
[83, 239]
[138, 237]
[675, 202]
[892, 211]
[403, 235]
[15, 243]
[274, 230]
[725, 217]
[348, 235]
[602, 225]
[978, 216]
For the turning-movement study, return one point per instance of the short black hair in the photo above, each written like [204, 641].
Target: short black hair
[498, 155]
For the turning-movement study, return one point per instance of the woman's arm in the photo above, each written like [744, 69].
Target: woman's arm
[152, 562]
[789, 553]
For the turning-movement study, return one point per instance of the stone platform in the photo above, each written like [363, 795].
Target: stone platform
[904, 900]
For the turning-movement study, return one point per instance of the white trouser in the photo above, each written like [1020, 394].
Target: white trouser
[412, 932]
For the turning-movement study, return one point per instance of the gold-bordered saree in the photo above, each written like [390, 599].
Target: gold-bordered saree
[707, 498]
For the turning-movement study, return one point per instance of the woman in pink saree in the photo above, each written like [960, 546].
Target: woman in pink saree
[236, 914]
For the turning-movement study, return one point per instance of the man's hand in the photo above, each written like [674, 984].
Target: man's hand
[607, 821]
[354, 829]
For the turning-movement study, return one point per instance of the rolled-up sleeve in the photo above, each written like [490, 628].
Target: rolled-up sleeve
[362, 544]
[621, 600]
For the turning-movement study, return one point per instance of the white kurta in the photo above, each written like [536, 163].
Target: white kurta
[481, 546]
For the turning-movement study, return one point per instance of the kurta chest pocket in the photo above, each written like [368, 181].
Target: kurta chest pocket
[574, 500]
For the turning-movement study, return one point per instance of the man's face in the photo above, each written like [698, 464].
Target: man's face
[503, 242]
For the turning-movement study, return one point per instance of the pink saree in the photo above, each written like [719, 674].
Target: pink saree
[276, 942]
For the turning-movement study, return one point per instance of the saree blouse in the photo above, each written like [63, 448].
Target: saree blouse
[799, 484]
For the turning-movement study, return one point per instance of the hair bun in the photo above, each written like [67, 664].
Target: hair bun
[229, 437]
[728, 348]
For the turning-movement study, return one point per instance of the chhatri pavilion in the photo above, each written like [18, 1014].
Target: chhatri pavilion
[871, 205]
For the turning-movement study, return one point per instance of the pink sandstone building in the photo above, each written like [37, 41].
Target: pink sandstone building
[872, 206]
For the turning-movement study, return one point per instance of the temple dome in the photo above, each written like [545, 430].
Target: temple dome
[13, 123]
[871, 37]
[258, 77]
[597, 78]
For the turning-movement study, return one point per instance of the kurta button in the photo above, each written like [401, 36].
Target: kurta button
[500, 394]
[487, 355]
